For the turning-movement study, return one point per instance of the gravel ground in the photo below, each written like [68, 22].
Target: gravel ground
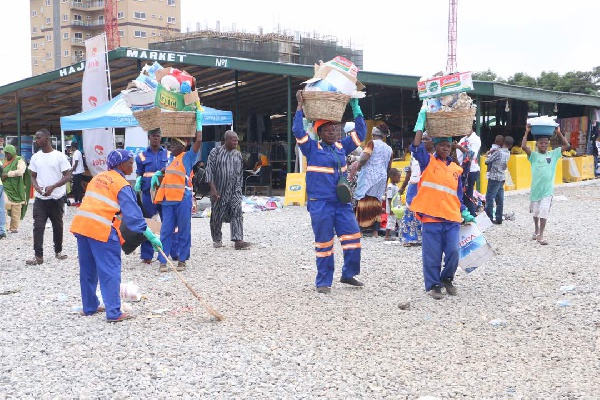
[282, 340]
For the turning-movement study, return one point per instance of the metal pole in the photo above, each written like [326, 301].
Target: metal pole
[107, 67]
[289, 125]
[237, 98]
[19, 127]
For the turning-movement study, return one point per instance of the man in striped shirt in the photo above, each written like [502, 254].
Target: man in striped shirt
[224, 174]
[497, 163]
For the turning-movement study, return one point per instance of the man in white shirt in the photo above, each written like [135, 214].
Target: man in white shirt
[469, 146]
[77, 172]
[50, 170]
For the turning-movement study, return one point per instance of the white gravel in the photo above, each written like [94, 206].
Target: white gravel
[282, 340]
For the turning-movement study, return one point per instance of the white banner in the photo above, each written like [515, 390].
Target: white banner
[97, 143]
[136, 141]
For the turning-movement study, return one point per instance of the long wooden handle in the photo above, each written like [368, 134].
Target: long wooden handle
[208, 308]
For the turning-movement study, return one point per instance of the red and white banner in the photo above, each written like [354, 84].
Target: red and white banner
[97, 143]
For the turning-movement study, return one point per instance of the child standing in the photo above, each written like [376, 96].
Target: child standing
[543, 169]
[498, 143]
[391, 191]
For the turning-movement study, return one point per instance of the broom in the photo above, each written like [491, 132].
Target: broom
[208, 308]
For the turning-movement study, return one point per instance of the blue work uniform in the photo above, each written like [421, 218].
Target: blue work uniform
[147, 163]
[325, 165]
[179, 214]
[103, 259]
[440, 239]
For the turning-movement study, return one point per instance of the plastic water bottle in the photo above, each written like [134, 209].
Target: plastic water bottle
[498, 323]
[563, 303]
[567, 288]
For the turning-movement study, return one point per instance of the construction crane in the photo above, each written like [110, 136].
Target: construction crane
[111, 25]
[451, 62]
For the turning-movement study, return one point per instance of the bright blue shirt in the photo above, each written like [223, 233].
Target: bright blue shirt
[189, 159]
[327, 161]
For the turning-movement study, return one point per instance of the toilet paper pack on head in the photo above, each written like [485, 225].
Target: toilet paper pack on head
[337, 75]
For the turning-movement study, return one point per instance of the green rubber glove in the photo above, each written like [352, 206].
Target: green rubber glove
[356, 111]
[138, 184]
[153, 239]
[154, 181]
[199, 119]
[467, 217]
[420, 125]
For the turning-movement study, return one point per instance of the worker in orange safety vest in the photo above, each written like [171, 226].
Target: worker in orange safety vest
[175, 194]
[96, 226]
[439, 207]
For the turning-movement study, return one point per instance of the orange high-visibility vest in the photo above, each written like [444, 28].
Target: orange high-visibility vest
[174, 182]
[96, 216]
[437, 195]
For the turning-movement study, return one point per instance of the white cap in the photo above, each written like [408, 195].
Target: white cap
[349, 126]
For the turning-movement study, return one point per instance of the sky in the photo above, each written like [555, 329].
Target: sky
[405, 37]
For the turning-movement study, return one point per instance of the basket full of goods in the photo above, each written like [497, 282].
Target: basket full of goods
[450, 111]
[164, 98]
[327, 93]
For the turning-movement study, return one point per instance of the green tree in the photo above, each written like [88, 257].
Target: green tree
[584, 82]
[549, 80]
[486, 76]
[522, 79]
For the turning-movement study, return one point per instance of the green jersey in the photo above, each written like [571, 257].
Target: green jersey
[543, 171]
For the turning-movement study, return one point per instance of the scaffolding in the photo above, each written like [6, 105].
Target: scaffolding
[297, 48]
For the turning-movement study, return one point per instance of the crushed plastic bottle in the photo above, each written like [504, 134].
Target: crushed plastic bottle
[563, 303]
[567, 288]
[497, 323]
[470, 269]
[62, 297]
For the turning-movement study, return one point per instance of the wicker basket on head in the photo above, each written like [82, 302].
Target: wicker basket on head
[148, 119]
[178, 123]
[324, 105]
[450, 123]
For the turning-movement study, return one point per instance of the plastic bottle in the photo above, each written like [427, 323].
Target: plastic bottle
[563, 303]
[497, 323]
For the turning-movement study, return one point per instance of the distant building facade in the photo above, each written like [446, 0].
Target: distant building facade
[59, 27]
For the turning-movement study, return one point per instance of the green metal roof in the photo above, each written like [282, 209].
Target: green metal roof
[46, 97]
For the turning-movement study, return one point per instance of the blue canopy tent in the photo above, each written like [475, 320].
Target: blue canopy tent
[116, 114]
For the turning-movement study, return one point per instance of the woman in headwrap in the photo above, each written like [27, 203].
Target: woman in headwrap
[109, 199]
[411, 227]
[17, 183]
[375, 162]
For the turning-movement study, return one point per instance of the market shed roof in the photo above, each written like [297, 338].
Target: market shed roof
[263, 87]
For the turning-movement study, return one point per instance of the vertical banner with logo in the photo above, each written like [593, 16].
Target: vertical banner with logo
[97, 143]
[136, 141]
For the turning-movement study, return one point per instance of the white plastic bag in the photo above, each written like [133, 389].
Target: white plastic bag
[130, 292]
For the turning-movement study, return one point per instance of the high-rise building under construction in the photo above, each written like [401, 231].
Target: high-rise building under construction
[59, 27]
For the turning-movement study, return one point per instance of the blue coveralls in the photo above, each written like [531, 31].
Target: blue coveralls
[103, 260]
[440, 240]
[179, 214]
[327, 214]
[147, 163]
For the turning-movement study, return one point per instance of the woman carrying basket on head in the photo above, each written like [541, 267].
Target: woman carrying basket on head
[439, 207]
[326, 167]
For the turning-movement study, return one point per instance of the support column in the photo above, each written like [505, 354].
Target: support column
[19, 127]
[290, 149]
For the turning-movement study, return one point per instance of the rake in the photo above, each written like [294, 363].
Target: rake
[208, 308]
